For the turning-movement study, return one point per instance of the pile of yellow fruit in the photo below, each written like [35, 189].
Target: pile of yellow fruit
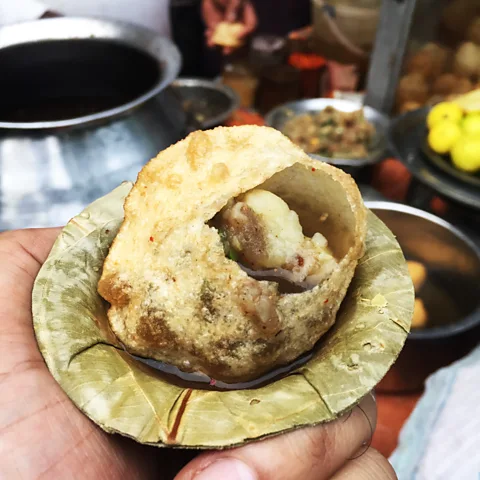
[454, 130]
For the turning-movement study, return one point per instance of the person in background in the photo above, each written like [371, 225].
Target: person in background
[193, 23]
[188, 22]
[268, 17]
[231, 11]
[265, 17]
[262, 17]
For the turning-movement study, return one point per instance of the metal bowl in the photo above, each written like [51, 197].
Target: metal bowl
[450, 293]
[280, 115]
[210, 102]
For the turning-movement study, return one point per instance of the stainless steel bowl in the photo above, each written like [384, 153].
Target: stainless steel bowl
[452, 260]
[210, 102]
[451, 292]
[280, 115]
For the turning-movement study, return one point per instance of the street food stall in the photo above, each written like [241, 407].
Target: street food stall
[386, 91]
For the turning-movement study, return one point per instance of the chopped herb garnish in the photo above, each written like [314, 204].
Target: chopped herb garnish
[233, 255]
[227, 248]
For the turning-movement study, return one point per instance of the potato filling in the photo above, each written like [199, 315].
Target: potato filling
[259, 230]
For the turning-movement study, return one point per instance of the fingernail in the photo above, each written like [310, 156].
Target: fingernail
[227, 469]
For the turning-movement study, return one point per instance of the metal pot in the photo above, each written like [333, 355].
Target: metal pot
[82, 107]
[451, 292]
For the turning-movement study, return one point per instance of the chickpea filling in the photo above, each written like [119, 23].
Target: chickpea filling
[261, 232]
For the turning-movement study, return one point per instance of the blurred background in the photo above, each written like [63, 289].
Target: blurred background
[387, 90]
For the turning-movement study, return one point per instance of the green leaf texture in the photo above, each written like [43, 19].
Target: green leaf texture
[124, 396]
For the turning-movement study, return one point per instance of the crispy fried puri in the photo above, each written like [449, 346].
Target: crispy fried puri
[174, 294]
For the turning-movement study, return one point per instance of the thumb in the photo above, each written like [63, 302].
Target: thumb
[224, 469]
[312, 453]
[232, 11]
[231, 16]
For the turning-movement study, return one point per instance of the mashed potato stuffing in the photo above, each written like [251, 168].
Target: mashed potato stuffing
[262, 231]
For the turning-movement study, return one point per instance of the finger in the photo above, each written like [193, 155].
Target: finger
[231, 16]
[209, 37]
[371, 465]
[45, 412]
[301, 34]
[233, 8]
[249, 18]
[37, 242]
[211, 15]
[21, 256]
[245, 33]
[314, 453]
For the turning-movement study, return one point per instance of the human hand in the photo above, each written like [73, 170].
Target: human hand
[43, 435]
[303, 34]
[339, 450]
[231, 11]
